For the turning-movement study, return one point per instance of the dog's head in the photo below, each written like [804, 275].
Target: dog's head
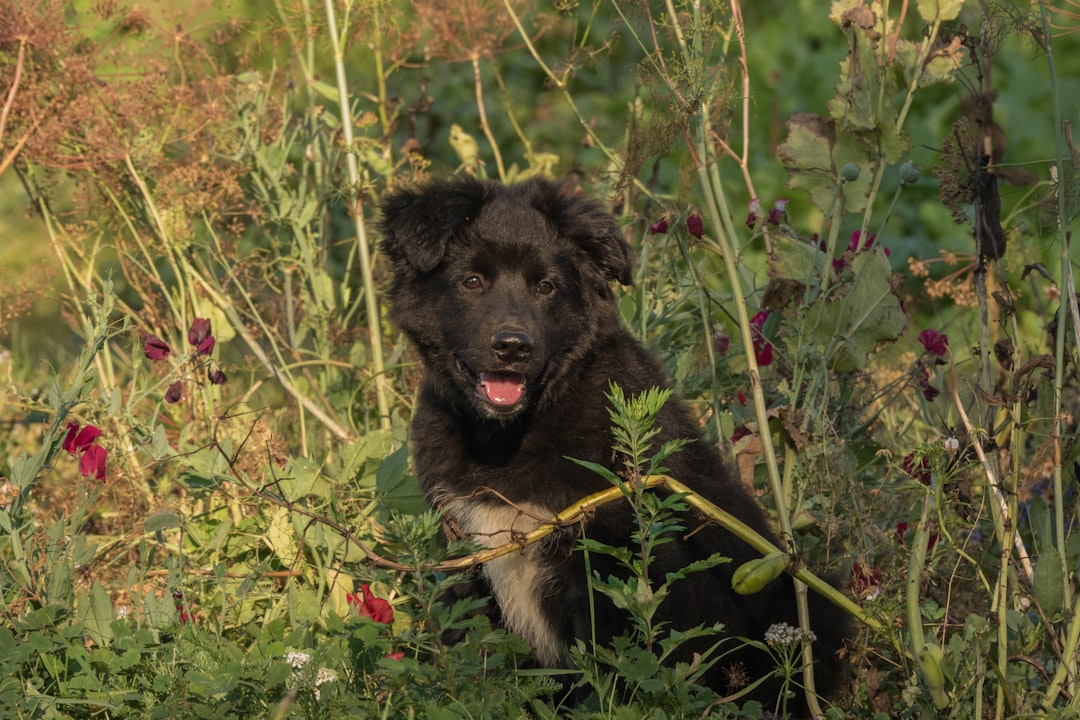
[502, 288]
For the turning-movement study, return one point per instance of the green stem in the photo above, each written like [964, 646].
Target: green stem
[356, 211]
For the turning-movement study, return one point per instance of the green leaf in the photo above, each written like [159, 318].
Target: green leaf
[943, 10]
[398, 490]
[162, 521]
[852, 323]
[814, 153]
[97, 614]
[1048, 583]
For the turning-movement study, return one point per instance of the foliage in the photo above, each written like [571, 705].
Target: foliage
[190, 309]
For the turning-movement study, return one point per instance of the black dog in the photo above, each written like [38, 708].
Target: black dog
[506, 293]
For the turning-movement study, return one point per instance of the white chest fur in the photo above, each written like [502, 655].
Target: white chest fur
[518, 580]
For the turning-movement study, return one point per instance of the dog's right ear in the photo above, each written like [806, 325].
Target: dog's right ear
[418, 223]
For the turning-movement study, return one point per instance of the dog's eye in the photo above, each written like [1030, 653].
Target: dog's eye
[472, 282]
[545, 287]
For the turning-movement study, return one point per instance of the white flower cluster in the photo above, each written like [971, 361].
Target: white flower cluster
[324, 676]
[784, 634]
[297, 659]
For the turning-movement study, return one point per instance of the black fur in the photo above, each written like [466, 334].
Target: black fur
[499, 286]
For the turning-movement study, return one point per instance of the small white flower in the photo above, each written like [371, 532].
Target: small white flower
[324, 676]
[784, 634]
[297, 659]
[951, 445]
[122, 613]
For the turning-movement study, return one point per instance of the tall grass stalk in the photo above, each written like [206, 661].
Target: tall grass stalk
[354, 195]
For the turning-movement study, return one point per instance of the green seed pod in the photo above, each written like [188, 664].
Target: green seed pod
[909, 173]
[850, 172]
[752, 576]
[929, 659]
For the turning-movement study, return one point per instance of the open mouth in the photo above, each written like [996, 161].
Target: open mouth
[503, 390]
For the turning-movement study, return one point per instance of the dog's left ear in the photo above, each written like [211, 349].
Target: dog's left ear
[418, 223]
[592, 228]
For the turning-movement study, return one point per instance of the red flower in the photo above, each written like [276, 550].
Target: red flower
[721, 342]
[77, 441]
[695, 226]
[659, 227]
[918, 469]
[935, 342]
[776, 214]
[370, 606]
[395, 656]
[156, 348]
[92, 463]
[865, 582]
[174, 393]
[739, 433]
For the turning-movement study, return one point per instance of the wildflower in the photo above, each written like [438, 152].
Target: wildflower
[122, 612]
[784, 634]
[935, 342]
[199, 336]
[951, 445]
[763, 349]
[923, 378]
[741, 397]
[93, 456]
[695, 226]
[370, 606]
[216, 376]
[776, 214]
[323, 676]
[917, 467]
[755, 209]
[739, 433]
[297, 659]
[659, 227]
[865, 581]
[156, 348]
[396, 656]
[721, 342]
[178, 601]
[92, 462]
[77, 441]
[174, 393]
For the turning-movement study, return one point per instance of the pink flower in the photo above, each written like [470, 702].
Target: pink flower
[77, 441]
[156, 348]
[216, 376]
[659, 227]
[695, 226]
[755, 210]
[935, 342]
[92, 463]
[923, 378]
[199, 336]
[776, 214]
[721, 342]
[395, 656]
[370, 606]
[741, 397]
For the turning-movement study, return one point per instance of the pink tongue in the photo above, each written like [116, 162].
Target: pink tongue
[503, 388]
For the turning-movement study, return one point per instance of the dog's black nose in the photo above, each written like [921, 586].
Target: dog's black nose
[511, 345]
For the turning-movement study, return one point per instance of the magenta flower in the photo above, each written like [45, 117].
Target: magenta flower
[199, 336]
[367, 605]
[659, 227]
[216, 376]
[919, 468]
[695, 226]
[92, 463]
[174, 393]
[77, 441]
[92, 459]
[739, 433]
[763, 349]
[721, 342]
[755, 210]
[776, 214]
[935, 342]
[156, 348]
